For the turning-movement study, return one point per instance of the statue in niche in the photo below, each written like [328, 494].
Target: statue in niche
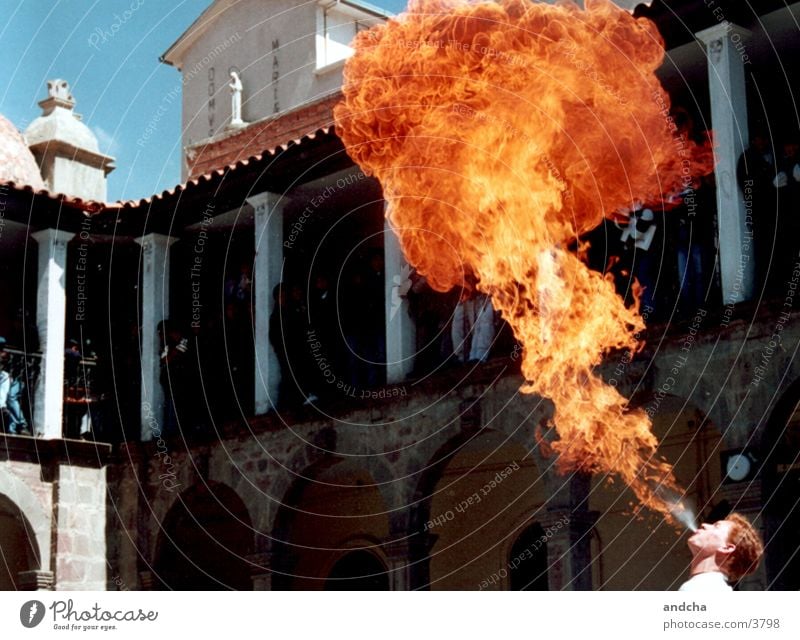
[236, 100]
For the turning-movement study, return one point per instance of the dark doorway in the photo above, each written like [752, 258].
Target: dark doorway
[205, 542]
[18, 548]
[528, 561]
[358, 571]
[782, 499]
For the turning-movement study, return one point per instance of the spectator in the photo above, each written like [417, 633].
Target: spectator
[641, 241]
[788, 187]
[5, 384]
[431, 311]
[78, 422]
[12, 387]
[179, 381]
[758, 181]
[287, 334]
[363, 321]
[324, 322]
[473, 326]
[695, 245]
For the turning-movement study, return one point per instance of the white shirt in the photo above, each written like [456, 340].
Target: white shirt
[709, 581]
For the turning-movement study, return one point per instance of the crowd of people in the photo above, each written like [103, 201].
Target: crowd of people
[18, 374]
[769, 179]
[330, 341]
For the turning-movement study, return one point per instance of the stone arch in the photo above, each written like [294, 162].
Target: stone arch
[30, 507]
[307, 458]
[423, 537]
[19, 550]
[205, 541]
[358, 570]
[331, 503]
[780, 473]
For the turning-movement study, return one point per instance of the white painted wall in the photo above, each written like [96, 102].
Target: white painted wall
[262, 40]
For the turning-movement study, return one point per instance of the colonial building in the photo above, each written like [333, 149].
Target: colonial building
[344, 462]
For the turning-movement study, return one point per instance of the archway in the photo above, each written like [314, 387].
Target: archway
[358, 571]
[18, 549]
[206, 538]
[477, 485]
[334, 503]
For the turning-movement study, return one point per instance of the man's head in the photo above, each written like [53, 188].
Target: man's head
[732, 545]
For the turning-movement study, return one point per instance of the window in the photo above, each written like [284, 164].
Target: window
[337, 25]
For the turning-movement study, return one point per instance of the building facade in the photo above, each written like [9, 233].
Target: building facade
[226, 474]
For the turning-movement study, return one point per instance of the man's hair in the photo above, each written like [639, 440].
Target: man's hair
[749, 548]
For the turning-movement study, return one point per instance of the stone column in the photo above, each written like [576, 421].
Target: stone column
[401, 335]
[569, 557]
[51, 307]
[726, 59]
[267, 273]
[79, 540]
[260, 571]
[398, 556]
[155, 308]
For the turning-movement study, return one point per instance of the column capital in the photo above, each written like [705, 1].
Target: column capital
[267, 200]
[56, 236]
[722, 31]
[397, 549]
[150, 241]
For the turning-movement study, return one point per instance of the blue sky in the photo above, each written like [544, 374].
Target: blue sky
[113, 70]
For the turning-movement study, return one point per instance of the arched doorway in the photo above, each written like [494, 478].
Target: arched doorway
[358, 571]
[781, 493]
[332, 504]
[528, 560]
[474, 489]
[18, 549]
[206, 538]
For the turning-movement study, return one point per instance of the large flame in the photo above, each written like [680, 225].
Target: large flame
[501, 131]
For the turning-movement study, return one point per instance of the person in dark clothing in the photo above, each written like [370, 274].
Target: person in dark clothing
[289, 337]
[695, 246]
[758, 181]
[788, 187]
[324, 323]
[366, 336]
[179, 378]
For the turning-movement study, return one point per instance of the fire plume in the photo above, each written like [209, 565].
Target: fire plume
[501, 132]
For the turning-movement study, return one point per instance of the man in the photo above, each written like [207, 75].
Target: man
[722, 552]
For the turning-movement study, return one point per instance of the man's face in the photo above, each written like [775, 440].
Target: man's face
[711, 538]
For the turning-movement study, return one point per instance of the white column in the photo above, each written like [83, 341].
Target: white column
[726, 59]
[401, 332]
[267, 273]
[155, 308]
[51, 308]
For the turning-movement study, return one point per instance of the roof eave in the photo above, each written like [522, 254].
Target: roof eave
[173, 56]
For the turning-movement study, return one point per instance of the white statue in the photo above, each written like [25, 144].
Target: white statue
[236, 100]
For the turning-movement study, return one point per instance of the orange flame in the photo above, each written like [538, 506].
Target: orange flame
[501, 131]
